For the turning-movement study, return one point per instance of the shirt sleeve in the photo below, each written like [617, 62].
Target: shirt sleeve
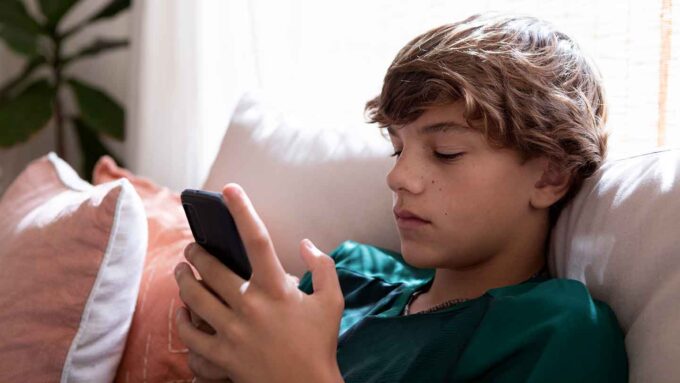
[554, 333]
[369, 262]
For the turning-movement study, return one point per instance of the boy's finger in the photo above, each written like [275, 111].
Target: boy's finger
[324, 276]
[267, 270]
[215, 276]
[200, 324]
[204, 369]
[198, 298]
[193, 338]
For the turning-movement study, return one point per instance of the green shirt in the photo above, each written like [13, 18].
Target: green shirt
[541, 330]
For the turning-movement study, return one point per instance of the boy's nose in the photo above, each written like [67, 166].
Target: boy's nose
[405, 177]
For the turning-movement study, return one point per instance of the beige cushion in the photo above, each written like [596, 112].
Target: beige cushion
[326, 184]
[621, 237]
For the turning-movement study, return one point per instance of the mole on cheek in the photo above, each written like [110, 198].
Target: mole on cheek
[433, 181]
[445, 213]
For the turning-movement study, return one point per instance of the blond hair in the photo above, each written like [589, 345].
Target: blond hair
[526, 85]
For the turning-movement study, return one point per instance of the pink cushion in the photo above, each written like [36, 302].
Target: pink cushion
[154, 352]
[70, 266]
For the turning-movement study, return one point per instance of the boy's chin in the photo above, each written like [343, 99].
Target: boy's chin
[418, 258]
[418, 264]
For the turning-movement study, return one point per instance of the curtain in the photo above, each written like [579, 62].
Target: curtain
[188, 69]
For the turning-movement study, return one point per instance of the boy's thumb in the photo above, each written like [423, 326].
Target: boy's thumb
[324, 277]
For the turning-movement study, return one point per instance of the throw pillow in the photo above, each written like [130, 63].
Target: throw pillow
[70, 265]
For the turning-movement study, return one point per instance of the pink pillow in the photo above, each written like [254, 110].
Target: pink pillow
[71, 261]
[153, 352]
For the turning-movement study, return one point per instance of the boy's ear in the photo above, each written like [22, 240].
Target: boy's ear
[552, 185]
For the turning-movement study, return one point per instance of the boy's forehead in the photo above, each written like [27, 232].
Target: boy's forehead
[433, 128]
[436, 119]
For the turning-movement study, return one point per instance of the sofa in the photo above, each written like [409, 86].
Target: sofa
[87, 268]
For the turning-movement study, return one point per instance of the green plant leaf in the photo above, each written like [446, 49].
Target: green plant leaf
[13, 14]
[54, 10]
[13, 84]
[26, 113]
[98, 110]
[91, 148]
[20, 41]
[112, 9]
[18, 29]
[98, 46]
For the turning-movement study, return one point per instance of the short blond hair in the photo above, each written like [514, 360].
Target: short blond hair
[527, 85]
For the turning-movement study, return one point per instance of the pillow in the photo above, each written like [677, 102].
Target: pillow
[333, 177]
[619, 236]
[72, 257]
[153, 351]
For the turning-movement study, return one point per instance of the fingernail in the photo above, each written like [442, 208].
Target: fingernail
[230, 194]
[187, 249]
[311, 246]
[179, 269]
[189, 254]
[178, 313]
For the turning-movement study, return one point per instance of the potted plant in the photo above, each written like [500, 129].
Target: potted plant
[33, 97]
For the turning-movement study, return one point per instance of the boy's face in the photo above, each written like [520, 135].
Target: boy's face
[476, 205]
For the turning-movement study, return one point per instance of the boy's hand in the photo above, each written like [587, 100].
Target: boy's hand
[204, 370]
[266, 329]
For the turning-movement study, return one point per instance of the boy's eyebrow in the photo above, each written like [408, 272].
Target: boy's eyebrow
[437, 127]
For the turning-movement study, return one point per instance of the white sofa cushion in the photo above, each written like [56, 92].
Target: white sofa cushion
[327, 184]
[621, 238]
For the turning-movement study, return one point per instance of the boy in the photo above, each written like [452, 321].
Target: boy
[495, 122]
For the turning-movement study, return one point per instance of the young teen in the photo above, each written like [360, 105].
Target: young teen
[495, 122]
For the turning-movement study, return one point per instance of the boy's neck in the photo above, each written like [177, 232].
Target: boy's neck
[504, 269]
[452, 284]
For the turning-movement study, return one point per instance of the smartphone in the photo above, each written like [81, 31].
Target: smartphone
[215, 230]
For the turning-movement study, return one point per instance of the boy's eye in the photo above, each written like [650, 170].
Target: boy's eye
[443, 156]
[447, 156]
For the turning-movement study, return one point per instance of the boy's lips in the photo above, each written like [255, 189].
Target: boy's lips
[407, 214]
[408, 220]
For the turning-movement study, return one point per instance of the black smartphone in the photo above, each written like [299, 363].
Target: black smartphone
[215, 230]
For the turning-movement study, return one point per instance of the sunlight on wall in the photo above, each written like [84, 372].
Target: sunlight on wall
[321, 61]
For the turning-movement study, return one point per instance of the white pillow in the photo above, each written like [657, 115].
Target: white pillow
[326, 184]
[620, 236]
[71, 261]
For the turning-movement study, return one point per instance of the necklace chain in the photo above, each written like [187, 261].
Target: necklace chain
[448, 303]
[433, 308]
